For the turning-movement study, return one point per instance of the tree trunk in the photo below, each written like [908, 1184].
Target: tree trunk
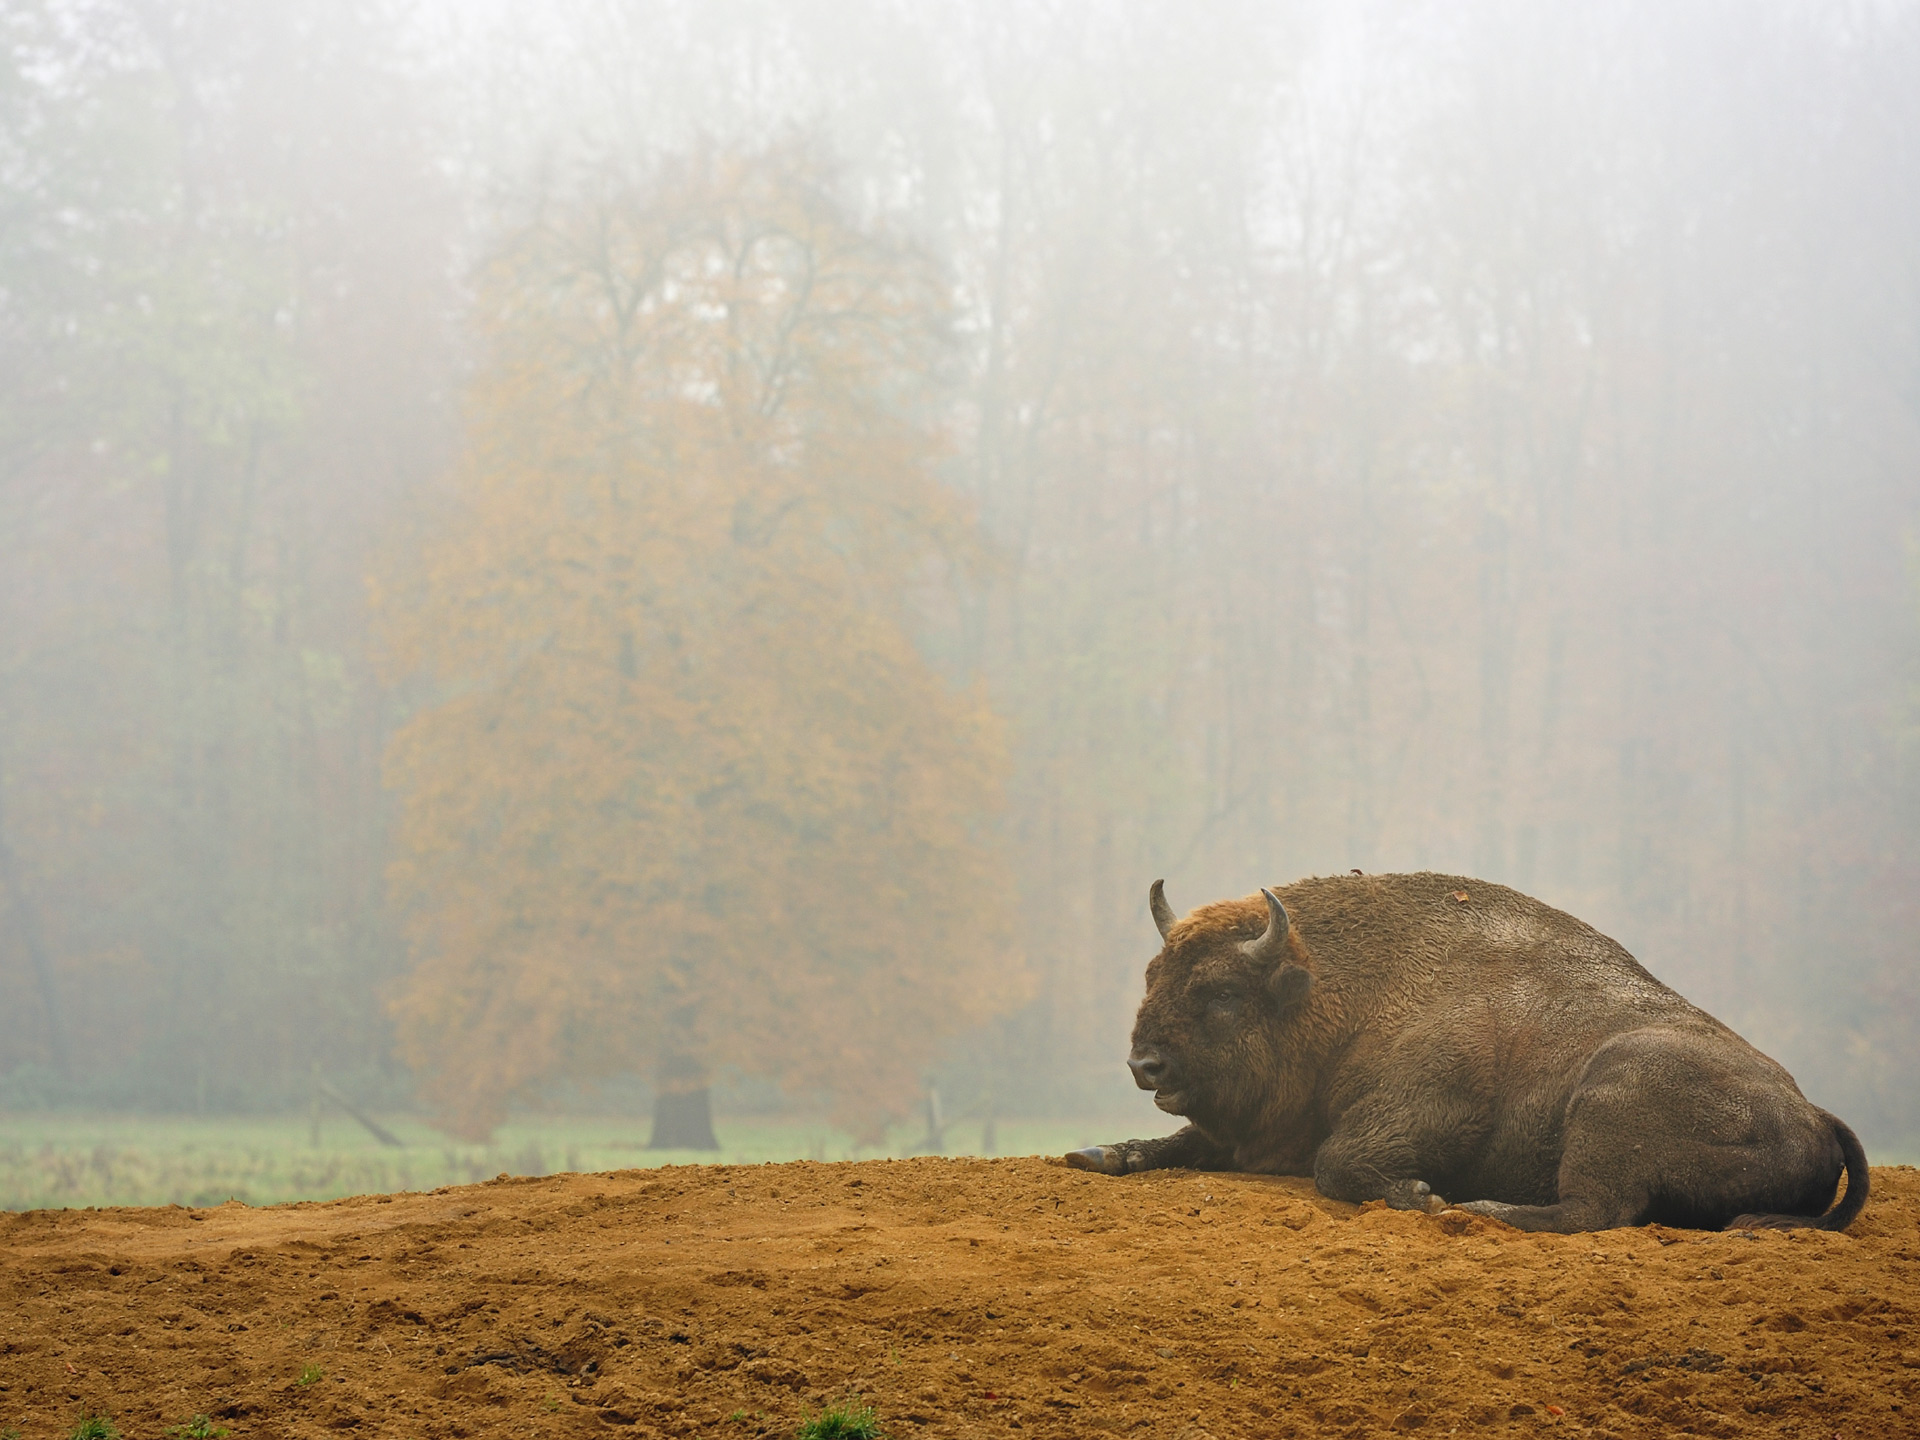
[26, 919]
[683, 1120]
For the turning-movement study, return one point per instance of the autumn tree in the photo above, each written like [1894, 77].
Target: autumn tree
[687, 793]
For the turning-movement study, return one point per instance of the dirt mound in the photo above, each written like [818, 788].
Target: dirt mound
[961, 1296]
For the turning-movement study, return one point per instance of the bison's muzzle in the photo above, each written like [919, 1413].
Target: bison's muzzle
[1149, 1067]
[1151, 1071]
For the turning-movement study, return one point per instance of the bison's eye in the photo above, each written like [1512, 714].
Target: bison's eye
[1223, 1005]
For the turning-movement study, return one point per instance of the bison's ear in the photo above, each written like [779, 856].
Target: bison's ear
[1289, 985]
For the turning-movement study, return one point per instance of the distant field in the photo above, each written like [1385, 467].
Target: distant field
[74, 1161]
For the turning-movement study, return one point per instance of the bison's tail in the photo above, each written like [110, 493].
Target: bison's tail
[1842, 1215]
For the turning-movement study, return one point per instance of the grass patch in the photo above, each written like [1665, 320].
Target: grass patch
[309, 1374]
[848, 1420]
[93, 1427]
[200, 1427]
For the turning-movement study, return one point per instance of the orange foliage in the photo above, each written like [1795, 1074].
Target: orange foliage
[687, 794]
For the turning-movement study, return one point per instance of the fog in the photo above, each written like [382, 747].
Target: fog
[565, 554]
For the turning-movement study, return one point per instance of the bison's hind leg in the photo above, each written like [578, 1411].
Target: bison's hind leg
[1566, 1217]
[1671, 1126]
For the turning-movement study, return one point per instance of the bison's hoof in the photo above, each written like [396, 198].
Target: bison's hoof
[1414, 1195]
[1102, 1159]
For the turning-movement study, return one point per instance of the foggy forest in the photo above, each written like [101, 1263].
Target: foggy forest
[594, 551]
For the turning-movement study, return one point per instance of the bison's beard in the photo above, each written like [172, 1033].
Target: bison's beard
[1218, 1112]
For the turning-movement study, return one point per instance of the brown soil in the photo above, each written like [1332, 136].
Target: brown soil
[961, 1297]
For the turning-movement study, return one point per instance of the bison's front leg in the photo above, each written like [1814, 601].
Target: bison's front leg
[1375, 1155]
[1185, 1149]
[1357, 1180]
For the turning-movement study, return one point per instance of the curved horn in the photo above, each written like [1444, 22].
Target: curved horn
[1162, 912]
[1273, 944]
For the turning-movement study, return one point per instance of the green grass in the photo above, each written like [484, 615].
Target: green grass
[849, 1420]
[309, 1374]
[51, 1161]
[200, 1427]
[93, 1427]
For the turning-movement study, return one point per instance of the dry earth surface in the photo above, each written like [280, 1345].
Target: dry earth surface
[961, 1297]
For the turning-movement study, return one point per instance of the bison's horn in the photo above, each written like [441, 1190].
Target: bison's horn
[1162, 912]
[1273, 944]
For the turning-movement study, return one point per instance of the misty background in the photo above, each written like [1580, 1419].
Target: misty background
[1481, 437]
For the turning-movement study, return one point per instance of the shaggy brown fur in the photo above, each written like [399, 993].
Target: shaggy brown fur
[1426, 1035]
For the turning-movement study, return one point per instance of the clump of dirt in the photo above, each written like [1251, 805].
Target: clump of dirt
[961, 1297]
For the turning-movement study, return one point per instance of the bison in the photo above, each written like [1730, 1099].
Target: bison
[1408, 1037]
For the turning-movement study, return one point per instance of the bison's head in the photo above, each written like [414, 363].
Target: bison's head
[1211, 1036]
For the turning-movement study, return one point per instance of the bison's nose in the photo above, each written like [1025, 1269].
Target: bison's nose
[1149, 1069]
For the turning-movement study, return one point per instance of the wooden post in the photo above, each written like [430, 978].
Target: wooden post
[313, 1108]
[367, 1122]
